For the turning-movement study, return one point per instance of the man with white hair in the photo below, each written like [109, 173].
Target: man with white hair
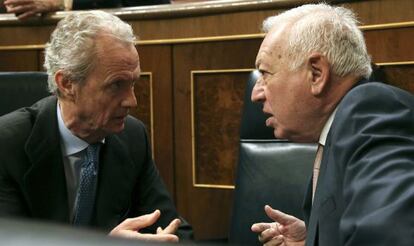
[77, 157]
[313, 62]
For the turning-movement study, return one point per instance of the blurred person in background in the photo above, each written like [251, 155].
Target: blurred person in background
[24, 9]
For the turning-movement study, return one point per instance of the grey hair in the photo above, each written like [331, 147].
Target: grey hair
[72, 44]
[332, 31]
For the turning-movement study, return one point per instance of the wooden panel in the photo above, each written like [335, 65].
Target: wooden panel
[41, 59]
[382, 11]
[24, 60]
[25, 35]
[248, 22]
[143, 93]
[202, 26]
[207, 209]
[390, 45]
[218, 101]
[401, 76]
[216, 19]
[156, 59]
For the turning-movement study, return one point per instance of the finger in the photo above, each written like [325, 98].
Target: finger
[147, 237]
[267, 235]
[172, 227]
[277, 241]
[26, 15]
[20, 8]
[8, 7]
[139, 222]
[270, 233]
[18, 2]
[157, 237]
[279, 216]
[159, 230]
[259, 227]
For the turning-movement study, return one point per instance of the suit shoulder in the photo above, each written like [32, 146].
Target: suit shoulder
[378, 91]
[19, 123]
[16, 124]
[376, 97]
[372, 108]
[134, 129]
[132, 123]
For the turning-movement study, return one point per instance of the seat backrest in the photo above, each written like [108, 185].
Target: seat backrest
[21, 89]
[270, 171]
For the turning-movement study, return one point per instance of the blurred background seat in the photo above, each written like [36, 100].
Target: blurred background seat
[270, 171]
[21, 89]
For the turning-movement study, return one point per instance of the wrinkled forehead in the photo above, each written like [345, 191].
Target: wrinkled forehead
[116, 57]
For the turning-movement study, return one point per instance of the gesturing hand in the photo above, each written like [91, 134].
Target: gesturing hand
[27, 8]
[129, 228]
[287, 230]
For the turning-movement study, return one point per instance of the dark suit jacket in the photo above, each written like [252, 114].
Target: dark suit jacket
[32, 177]
[98, 4]
[365, 192]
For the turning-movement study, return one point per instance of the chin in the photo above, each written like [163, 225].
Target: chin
[293, 137]
[275, 134]
[280, 134]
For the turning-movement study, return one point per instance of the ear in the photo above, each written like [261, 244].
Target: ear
[320, 71]
[65, 85]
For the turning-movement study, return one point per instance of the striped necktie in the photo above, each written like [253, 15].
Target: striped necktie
[316, 167]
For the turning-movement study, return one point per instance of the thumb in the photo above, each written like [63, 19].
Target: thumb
[141, 221]
[278, 216]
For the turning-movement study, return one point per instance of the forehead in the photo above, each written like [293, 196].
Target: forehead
[272, 46]
[115, 55]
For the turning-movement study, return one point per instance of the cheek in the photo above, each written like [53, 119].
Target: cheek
[109, 111]
[106, 114]
[274, 97]
[98, 112]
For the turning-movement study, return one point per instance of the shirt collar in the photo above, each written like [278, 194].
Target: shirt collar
[326, 128]
[71, 144]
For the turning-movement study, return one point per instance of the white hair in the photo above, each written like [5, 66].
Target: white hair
[332, 31]
[72, 44]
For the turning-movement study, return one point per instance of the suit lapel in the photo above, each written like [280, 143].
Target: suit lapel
[322, 204]
[311, 212]
[45, 182]
[115, 183]
[307, 202]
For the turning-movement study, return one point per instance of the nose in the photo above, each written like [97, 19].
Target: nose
[130, 101]
[258, 94]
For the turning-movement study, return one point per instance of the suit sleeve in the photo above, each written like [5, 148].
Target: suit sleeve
[375, 146]
[11, 200]
[151, 194]
[13, 131]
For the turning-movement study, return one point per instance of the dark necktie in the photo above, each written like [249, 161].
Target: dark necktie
[85, 198]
